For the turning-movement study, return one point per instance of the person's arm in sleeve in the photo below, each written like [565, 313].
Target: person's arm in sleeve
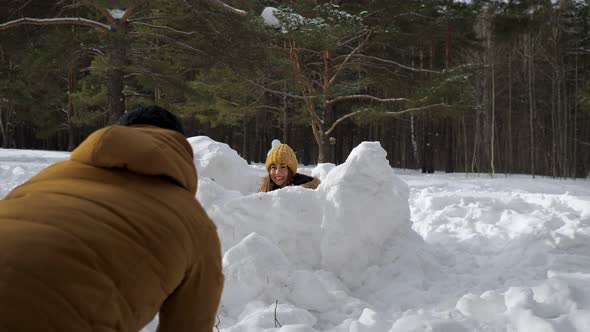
[193, 305]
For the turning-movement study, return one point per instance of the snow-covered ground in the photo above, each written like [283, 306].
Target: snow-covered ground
[376, 250]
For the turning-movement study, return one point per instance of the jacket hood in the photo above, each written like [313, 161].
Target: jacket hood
[141, 149]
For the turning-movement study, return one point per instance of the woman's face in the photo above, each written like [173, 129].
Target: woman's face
[279, 174]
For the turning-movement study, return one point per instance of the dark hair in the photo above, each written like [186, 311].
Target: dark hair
[151, 115]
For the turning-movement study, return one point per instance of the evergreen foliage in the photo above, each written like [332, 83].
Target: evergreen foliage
[463, 86]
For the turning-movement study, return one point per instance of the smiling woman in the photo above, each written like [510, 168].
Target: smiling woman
[281, 165]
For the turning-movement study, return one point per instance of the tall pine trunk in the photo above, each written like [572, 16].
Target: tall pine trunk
[531, 103]
[115, 74]
[3, 131]
[509, 116]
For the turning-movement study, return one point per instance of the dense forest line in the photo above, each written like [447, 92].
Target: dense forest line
[478, 86]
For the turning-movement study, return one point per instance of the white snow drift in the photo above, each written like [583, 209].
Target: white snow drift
[370, 252]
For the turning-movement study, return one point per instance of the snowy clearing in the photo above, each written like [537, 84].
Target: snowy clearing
[375, 249]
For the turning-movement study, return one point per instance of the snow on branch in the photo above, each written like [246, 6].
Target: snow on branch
[117, 14]
[57, 20]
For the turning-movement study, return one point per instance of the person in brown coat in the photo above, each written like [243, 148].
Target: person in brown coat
[111, 237]
[281, 165]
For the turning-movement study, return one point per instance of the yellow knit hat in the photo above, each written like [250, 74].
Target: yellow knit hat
[282, 154]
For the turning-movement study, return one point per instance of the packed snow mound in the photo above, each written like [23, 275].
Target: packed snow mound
[223, 165]
[366, 207]
[321, 170]
[268, 266]
[319, 250]
[290, 217]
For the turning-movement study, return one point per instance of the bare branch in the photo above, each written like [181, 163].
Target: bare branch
[282, 49]
[198, 13]
[105, 13]
[349, 115]
[54, 21]
[226, 7]
[365, 97]
[164, 27]
[353, 38]
[382, 68]
[189, 6]
[133, 93]
[414, 109]
[276, 320]
[315, 116]
[356, 49]
[391, 62]
[132, 10]
[155, 18]
[275, 92]
[171, 39]
[268, 107]
[218, 322]
[21, 7]
[93, 50]
[414, 14]
[233, 103]
[257, 99]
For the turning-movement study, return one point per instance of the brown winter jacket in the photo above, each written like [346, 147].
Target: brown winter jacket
[106, 240]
